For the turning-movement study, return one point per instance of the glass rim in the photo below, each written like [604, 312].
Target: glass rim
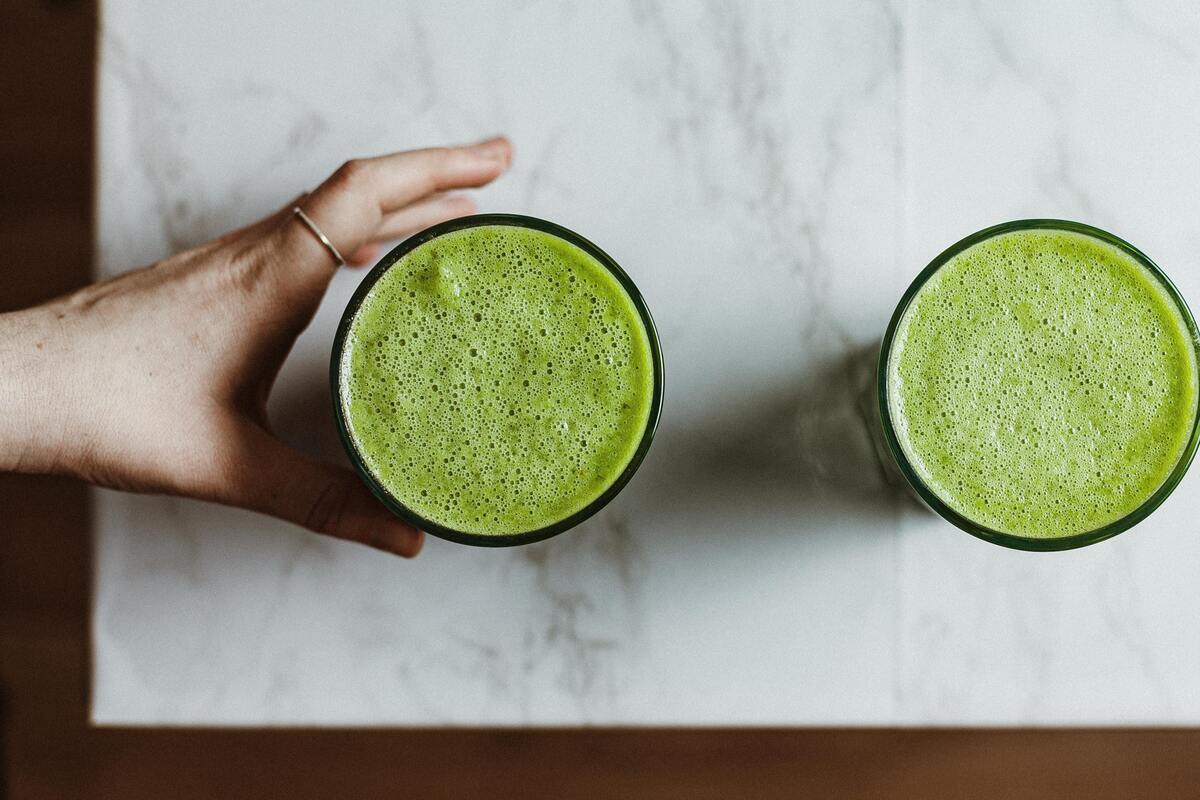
[1014, 541]
[392, 503]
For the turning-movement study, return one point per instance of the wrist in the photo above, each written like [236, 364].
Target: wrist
[31, 396]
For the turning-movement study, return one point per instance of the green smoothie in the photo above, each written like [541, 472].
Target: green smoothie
[496, 380]
[1042, 383]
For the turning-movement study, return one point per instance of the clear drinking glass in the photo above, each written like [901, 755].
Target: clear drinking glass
[525, 537]
[897, 463]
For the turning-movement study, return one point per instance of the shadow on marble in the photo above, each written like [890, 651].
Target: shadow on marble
[302, 411]
[789, 451]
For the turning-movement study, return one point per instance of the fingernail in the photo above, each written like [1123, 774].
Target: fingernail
[404, 540]
[496, 148]
[417, 543]
[395, 537]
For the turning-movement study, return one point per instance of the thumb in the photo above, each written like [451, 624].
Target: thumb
[283, 482]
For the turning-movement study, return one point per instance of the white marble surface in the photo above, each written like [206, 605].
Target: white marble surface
[772, 175]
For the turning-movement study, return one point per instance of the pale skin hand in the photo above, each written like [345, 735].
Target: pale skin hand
[157, 381]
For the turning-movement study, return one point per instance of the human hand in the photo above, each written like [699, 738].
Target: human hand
[157, 380]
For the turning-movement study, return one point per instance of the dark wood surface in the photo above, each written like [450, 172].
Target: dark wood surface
[47, 749]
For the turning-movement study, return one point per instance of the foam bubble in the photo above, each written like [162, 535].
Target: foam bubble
[1034, 345]
[499, 412]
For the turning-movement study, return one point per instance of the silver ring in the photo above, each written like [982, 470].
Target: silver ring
[321, 237]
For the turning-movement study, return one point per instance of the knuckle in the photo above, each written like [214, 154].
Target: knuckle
[244, 272]
[348, 174]
[231, 276]
[328, 508]
[440, 163]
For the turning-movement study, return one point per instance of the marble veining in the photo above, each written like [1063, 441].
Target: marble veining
[772, 175]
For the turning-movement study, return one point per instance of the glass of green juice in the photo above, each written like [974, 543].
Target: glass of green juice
[1037, 385]
[497, 379]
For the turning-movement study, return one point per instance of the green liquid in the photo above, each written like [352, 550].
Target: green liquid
[496, 380]
[1043, 383]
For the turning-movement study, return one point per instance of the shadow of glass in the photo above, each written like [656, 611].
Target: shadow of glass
[796, 456]
[301, 410]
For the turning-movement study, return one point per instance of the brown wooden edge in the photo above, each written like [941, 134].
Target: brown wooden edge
[48, 750]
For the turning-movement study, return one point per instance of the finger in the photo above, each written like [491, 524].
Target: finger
[402, 178]
[350, 206]
[270, 477]
[422, 214]
[412, 218]
[364, 255]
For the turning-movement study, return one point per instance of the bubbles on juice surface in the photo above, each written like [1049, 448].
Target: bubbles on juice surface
[1043, 383]
[496, 379]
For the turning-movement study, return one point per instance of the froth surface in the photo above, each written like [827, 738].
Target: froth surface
[496, 379]
[1043, 383]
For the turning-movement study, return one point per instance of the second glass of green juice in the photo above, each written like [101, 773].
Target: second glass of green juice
[497, 379]
[1037, 385]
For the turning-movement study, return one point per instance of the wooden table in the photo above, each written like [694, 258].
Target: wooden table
[49, 751]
